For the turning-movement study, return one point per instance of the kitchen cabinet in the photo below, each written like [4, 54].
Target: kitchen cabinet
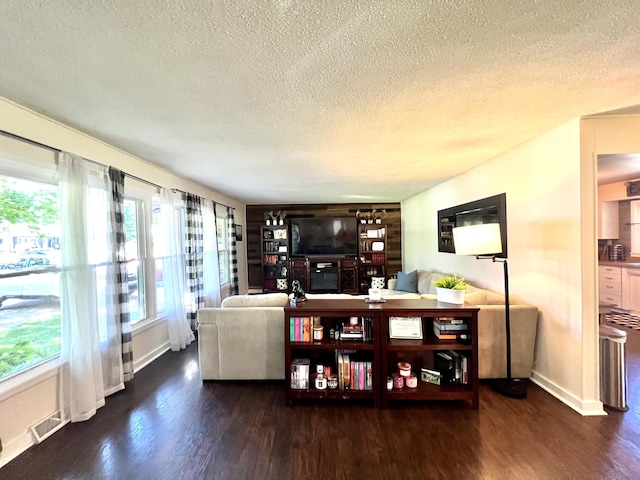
[631, 289]
[608, 220]
[610, 285]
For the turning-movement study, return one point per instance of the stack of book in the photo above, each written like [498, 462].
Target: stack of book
[453, 366]
[450, 328]
[351, 332]
[363, 330]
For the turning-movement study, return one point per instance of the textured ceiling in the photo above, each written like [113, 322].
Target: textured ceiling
[318, 101]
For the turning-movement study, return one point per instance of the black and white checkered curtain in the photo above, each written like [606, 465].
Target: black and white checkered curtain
[194, 257]
[117, 269]
[233, 258]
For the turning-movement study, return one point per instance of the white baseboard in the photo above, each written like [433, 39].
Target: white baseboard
[588, 408]
[139, 364]
[16, 447]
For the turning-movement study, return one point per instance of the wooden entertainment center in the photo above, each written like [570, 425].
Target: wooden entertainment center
[324, 274]
[263, 277]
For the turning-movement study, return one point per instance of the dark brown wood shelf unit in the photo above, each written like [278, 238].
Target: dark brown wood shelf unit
[274, 244]
[383, 352]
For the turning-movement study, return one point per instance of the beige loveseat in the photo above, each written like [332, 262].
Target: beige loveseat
[492, 353]
[244, 338]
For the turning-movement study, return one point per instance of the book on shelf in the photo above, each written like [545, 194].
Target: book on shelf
[300, 329]
[444, 335]
[306, 329]
[465, 370]
[447, 334]
[363, 330]
[445, 364]
[450, 321]
[360, 373]
[346, 369]
[297, 330]
[453, 367]
[300, 373]
[457, 365]
[449, 326]
[353, 371]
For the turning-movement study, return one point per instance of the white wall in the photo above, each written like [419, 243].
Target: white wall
[542, 180]
[25, 405]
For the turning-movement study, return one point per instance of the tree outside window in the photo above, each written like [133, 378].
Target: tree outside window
[29, 274]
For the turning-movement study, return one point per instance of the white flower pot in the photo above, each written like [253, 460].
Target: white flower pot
[449, 295]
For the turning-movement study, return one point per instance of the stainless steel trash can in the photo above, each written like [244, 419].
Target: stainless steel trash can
[613, 369]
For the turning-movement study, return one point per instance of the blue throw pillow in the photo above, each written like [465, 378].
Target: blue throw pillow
[407, 282]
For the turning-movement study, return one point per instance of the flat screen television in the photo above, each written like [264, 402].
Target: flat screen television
[324, 236]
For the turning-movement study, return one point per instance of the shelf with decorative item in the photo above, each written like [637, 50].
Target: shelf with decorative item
[275, 258]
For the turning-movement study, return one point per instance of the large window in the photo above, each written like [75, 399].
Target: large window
[162, 248]
[29, 274]
[223, 249]
[135, 249]
[159, 246]
[31, 260]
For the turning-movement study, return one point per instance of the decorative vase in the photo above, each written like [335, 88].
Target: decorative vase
[450, 295]
[268, 222]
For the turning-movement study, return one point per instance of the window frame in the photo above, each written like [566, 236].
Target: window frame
[224, 266]
[26, 162]
[144, 213]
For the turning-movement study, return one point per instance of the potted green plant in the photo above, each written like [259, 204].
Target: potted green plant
[450, 289]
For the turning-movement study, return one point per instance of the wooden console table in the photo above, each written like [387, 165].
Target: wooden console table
[379, 350]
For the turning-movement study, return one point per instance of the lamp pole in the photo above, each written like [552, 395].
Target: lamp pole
[510, 387]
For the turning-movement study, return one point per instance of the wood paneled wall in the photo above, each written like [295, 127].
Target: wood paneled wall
[255, 219]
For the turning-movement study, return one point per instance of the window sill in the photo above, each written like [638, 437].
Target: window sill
[21, 381]
[26, 379]
[146, 324]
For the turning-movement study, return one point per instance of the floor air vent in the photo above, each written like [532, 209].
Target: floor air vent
[47, 427]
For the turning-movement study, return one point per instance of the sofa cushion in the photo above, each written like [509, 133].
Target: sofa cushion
[494, 298]
[425, 281]
[261, 300]
[476, 296]
[407, 282]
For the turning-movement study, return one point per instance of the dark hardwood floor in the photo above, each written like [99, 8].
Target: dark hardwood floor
[169, 425]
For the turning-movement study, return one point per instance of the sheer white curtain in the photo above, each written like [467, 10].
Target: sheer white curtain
[173, 274]
[91, 359]
[211, 262]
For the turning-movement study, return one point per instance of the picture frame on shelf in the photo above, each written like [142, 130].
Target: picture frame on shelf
[405, 328]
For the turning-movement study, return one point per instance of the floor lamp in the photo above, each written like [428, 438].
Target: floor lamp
[485, 242]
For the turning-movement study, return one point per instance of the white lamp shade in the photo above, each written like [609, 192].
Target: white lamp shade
[482, 239]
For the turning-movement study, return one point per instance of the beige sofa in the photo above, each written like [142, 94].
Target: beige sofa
[492, 354]
[244, 338]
